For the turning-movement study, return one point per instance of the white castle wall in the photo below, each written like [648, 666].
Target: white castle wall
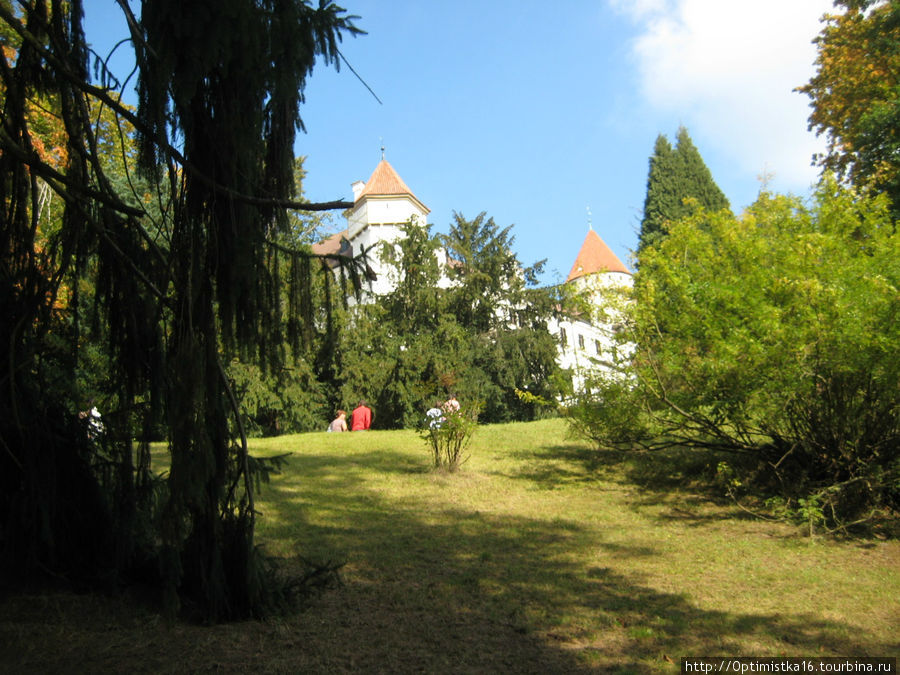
[583, 345]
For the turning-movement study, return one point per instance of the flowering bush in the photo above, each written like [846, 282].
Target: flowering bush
[449, 435]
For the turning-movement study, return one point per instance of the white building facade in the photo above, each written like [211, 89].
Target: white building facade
[384, 204]
[587, 340]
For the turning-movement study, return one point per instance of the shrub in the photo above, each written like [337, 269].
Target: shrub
[607, 412]
[448, 436]
[772, 336]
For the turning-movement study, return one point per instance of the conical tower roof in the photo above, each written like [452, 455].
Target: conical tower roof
[595, 256]
[385, 182]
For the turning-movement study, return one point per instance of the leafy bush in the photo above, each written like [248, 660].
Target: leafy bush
[607, 408]
[448, 436]
[774, 336]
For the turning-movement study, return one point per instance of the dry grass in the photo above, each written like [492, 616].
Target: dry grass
[539, 556]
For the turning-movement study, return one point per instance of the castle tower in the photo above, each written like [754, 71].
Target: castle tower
[382, 200]
[586, 342]
[595, 256]
[381, 207]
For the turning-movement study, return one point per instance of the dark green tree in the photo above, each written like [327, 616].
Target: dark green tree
[697, 180]
[662, 199]
[170, 306]
[496, 301]
[481, 337]
[415, 304]
[676, 175]
[484, 271]
[298, 395]
[397, 352]
[192, 58]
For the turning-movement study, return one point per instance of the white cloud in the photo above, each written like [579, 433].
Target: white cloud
[728, 68]
[638, 9]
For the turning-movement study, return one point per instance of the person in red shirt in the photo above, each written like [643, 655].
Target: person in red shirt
[361, 417]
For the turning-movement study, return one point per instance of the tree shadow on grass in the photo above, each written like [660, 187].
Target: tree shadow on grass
[430, 586]
[561, 465]
[428, 581]
[679, 484]
[679, 479]
[657, 471]
[383, 460]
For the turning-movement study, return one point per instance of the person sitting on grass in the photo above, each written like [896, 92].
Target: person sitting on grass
[451, 405]
[361, 417]
[95, 426]
[339, 423]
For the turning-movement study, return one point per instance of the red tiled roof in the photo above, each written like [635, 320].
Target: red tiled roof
[385, 181]
[329, 246]
[595, 256]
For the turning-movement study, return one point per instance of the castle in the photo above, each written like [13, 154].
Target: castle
[384, 203]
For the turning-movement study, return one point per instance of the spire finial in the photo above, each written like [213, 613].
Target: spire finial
[590, 223]
[382, 146]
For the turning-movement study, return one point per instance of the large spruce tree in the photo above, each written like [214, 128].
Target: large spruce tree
[481, 337]
[662, 199]
[221, 82]
[676, 175]
[498, 305]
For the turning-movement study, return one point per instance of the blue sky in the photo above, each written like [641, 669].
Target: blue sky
[544, 115]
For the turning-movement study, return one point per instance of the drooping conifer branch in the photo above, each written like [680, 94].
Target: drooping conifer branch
[161, 144]
[168, 312]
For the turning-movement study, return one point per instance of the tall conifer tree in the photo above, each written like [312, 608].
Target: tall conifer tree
[676, 175]
[220, 85]
[696, 176]
[662, 198]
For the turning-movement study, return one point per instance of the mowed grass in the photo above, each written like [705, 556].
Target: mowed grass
[540, 555]
[546, 540]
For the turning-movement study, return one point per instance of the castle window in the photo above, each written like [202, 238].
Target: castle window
[597, 347]
[562, 337]
[581, 342]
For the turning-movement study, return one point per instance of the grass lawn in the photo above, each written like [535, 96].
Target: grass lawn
[541, 555]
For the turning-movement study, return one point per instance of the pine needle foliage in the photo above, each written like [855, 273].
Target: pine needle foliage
[176, 289]
[677, 176]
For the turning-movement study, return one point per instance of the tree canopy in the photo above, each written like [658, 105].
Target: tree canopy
[855, 94]
[772, 337]
[676, 175]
